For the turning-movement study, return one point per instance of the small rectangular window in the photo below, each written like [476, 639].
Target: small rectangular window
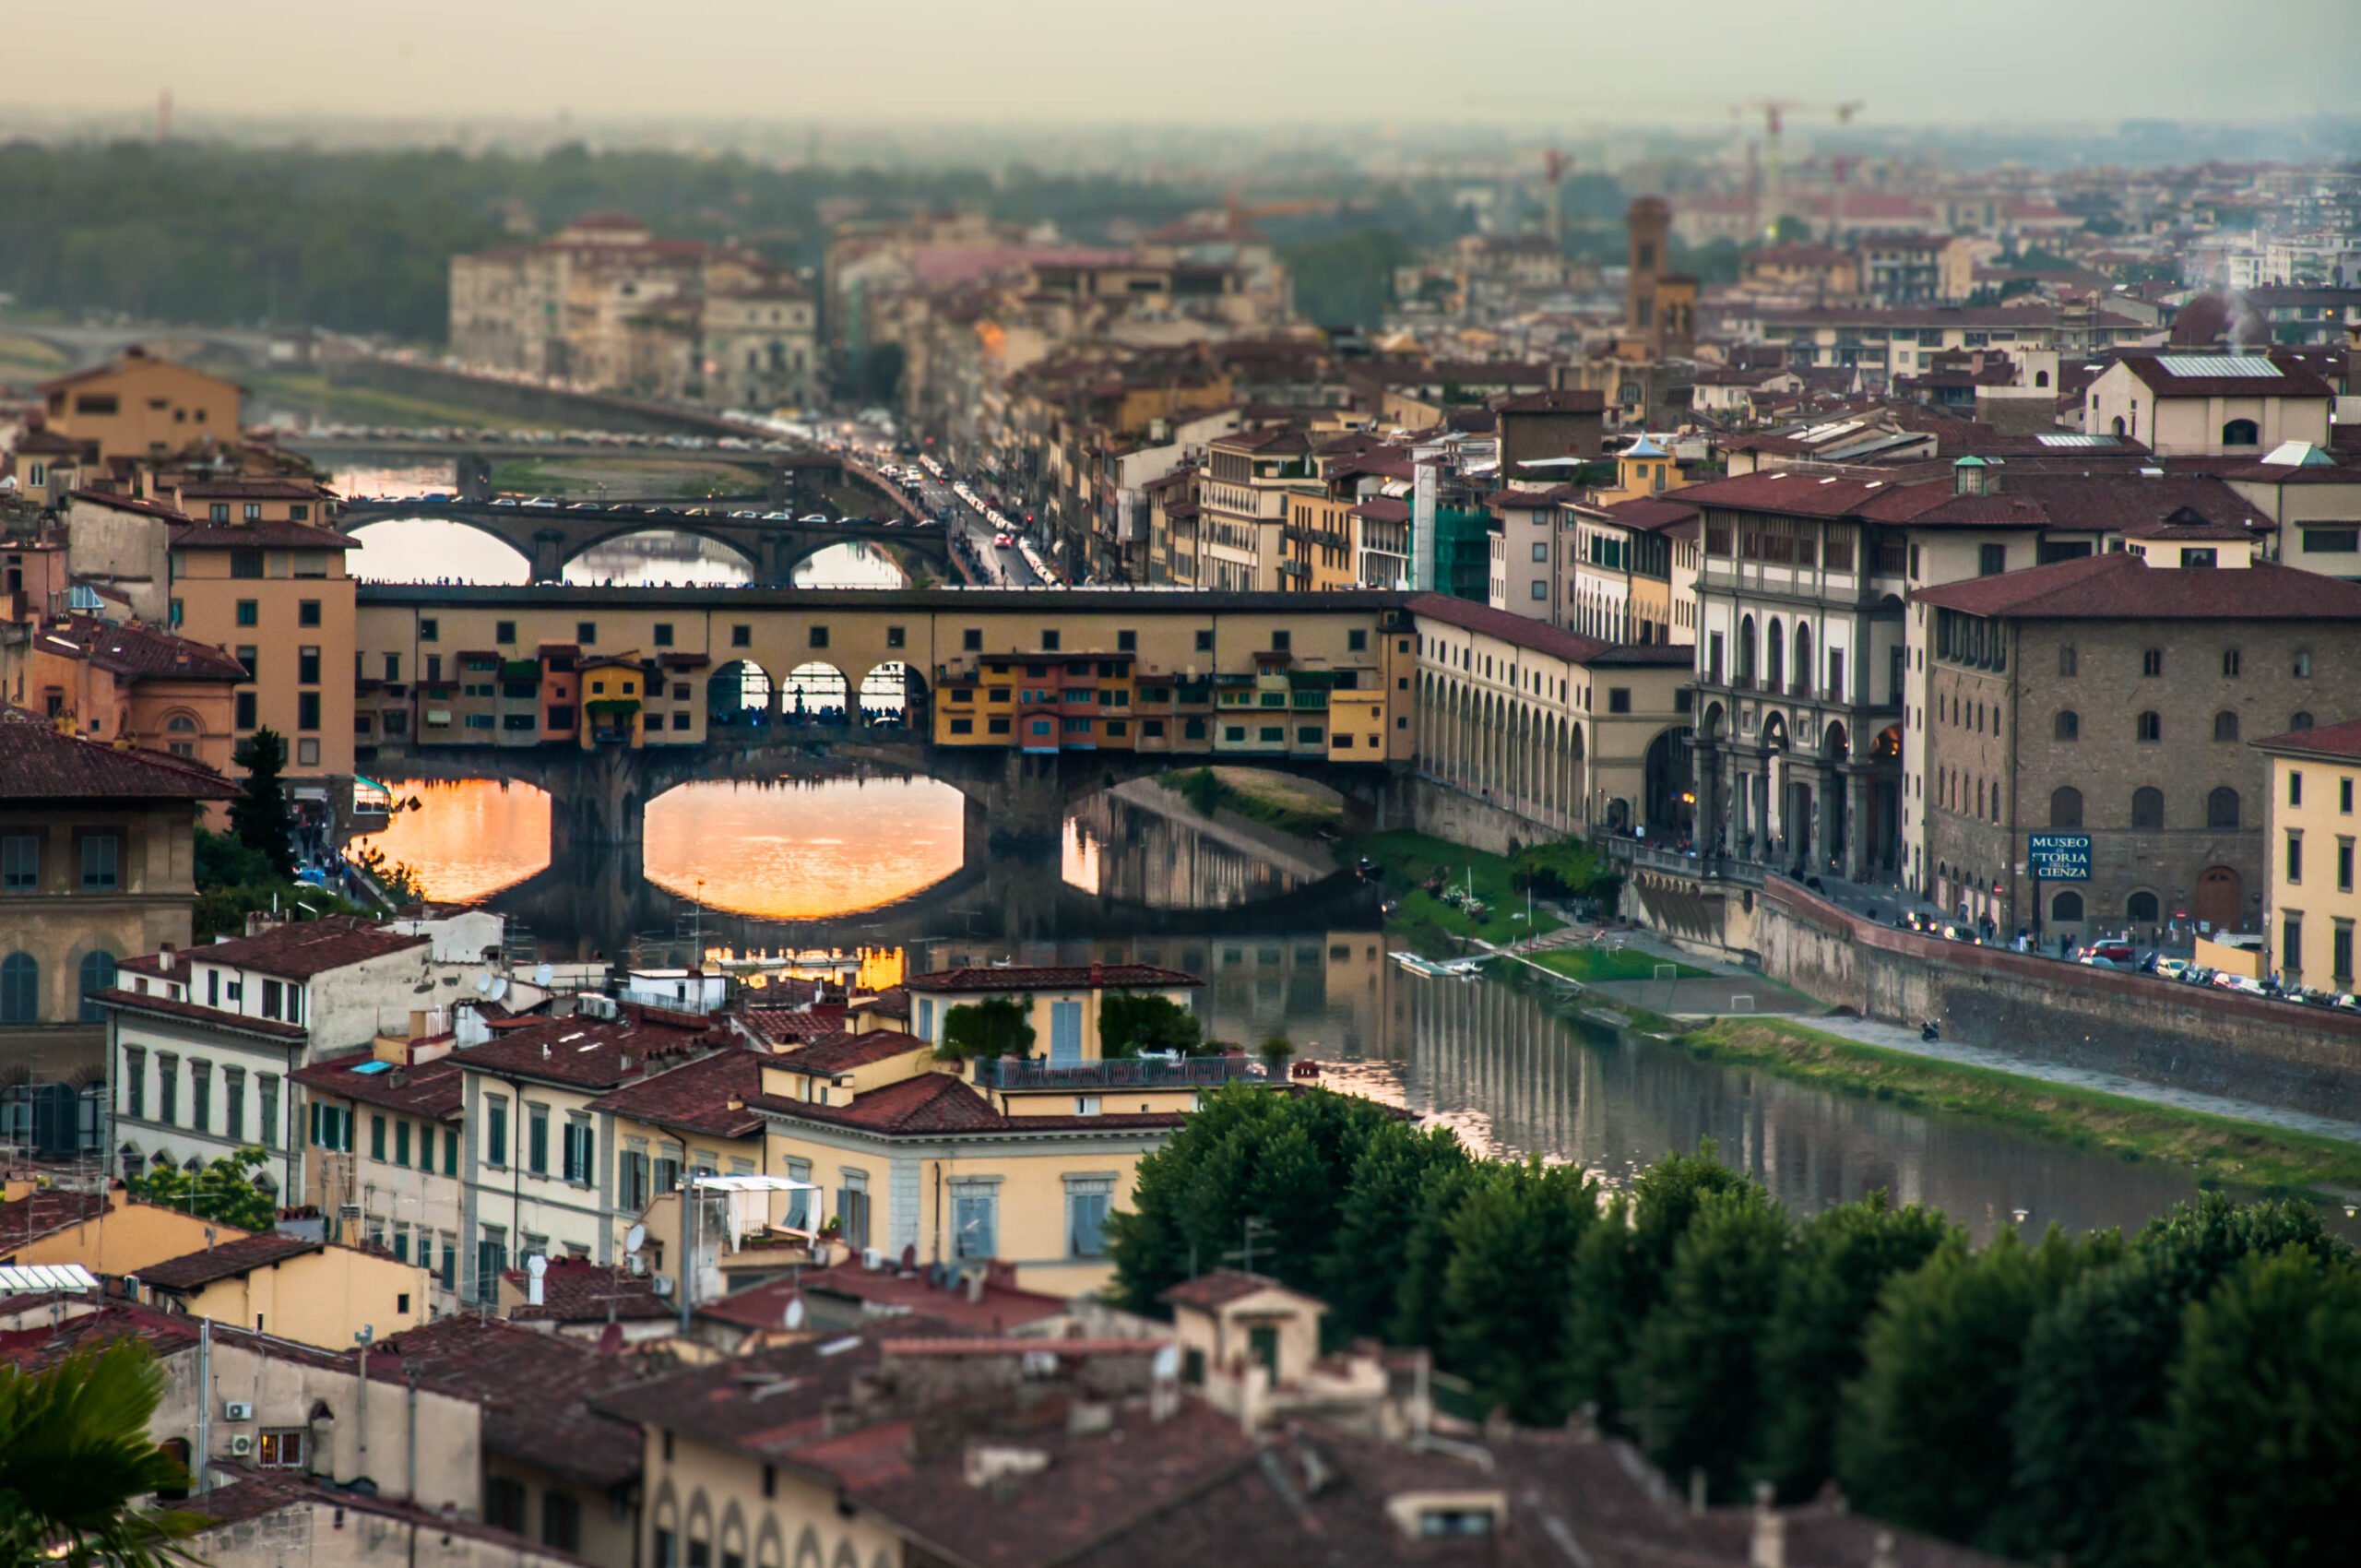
[307, 612]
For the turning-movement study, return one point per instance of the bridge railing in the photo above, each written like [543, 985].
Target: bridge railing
[1708, 868]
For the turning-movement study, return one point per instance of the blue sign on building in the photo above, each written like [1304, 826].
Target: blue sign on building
[2058, 857]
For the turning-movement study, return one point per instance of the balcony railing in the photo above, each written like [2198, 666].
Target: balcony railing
[1189, 1071]
[1709, 868]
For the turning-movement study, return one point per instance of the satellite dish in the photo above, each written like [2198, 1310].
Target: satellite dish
[537, 1266]
[543, 974]
[1167, 1365]
[484, 985]
[793, 1317]
[634, 1238]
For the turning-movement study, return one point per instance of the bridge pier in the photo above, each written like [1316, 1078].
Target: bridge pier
[473, 480]
[549, 555]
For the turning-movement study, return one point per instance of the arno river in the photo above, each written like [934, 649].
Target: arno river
[1283, 943]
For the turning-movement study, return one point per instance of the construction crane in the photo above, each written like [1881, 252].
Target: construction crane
[1775, 113]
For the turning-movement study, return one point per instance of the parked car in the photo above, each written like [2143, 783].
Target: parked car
[2170, 968]
[2227, 981]
[2114, 949]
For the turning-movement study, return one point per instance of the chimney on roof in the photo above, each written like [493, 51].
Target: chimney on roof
[1096, 971]
[164, 957]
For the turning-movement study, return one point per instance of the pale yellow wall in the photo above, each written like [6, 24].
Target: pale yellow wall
[133, 1236]
[927, 1021]
[159, 408]
[322, 1298]
[1223, 1335]
[207, 598]
[2326, 822]
[713, 1494]
[790, 1084]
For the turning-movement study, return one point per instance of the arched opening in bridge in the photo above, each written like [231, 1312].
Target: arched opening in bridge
[781, 850]
[738, 693]
[892, 693]
[432, 550]
[660, 558]
[465, 838]
[1201, 838]
[855, 563]
[814, 693]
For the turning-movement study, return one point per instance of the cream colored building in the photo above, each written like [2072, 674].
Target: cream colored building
[2310, 904]
[139, 406]
[293, 1287]
[2209, 405]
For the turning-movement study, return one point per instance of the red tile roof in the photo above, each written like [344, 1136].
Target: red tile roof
[1652, 514]
[2342, 741]
[587, 1052]
[1532, 499]
[985, 980]
[432, 1090]
[942, 1103]
[250, 490]
[297, 950]
[696, 1097]
[537, 1391]
[1219, 1288]
[1384, 509]
[889, 1292]
[2158, 375]
[193, 1271]
[781, 1025]
[137, 650]
[194, 1011]
[1536, 635]
[44, 1212]
[1564, 401]
[832, 1055]
[259, 1495]
[37, 763]
[280, 535]
[2119, 586]
[109, 499]
[578, 1290]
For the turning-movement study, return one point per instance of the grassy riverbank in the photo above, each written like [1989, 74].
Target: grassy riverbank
[2222, 1151]
[1410, 860]
[1592, 965]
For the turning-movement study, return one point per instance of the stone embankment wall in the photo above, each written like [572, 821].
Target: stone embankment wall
[2179, 1035]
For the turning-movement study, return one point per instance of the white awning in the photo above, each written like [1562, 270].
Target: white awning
[15, 1279]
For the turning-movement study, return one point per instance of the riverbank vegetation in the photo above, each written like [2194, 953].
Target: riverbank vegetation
[2243, 1154]
[1271, 799]
[2188, 1394]
[1430, 877]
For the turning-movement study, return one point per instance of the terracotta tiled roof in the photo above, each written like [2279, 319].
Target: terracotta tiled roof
[1220, 1287]
[1384, 509]
[983, 980]
[249, 490]
[138, 650]
[768, 1404]
[258, 1495]
[1562, 400]
[2159, 373]
[45, 1213]
[196, 1012]
[297, 950]
[2339, 740]
[836, 1053]
[258, 536]
[578, 1290]
[696, 1096]
[1651, 514]
[193, 1271]
[2119, 586]
[432, 1090]
[535, 1389]
[936, 1104]
[1539, 635]
[780, 1026]
[37, 763]
[1532, 499]
[997, 1308]
[586, 1052]
[107, 498]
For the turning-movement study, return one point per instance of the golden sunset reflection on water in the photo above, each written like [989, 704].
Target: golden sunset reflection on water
[467, 839]
[804, 851]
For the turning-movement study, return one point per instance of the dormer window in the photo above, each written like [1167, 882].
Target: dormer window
[1444, 1524]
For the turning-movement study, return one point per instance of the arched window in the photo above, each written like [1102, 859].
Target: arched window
[1775, 656]
[98, 974]
[2065, 908]
[2222, 808]
[2041, 378]
[2120, 429]
[2299, 721]
[20, 989]
[1745, 648]
[2069, 724]
[2066, 659]
[2141, 908]
[2151, 727]
[2147, 807]
[2241, 433]
[2225, 726]
[2065, 807]
[1803, 659]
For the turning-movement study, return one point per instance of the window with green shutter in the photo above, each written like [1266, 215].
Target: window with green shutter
[377, 1137]
[401, 1142]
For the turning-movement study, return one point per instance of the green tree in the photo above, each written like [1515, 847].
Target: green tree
[2088, 1480]
[1811, 1345]
[1504, 1289]
[1367, 1264]
[223, 1190]
[76, 1463]
[1691, 1391]
[1130, 1023]
[260, 818]
[2262, 1435]
[1427, 1249]
[1345, 279]
[987, 1031]
[1923, 1439]
[1620, 1269]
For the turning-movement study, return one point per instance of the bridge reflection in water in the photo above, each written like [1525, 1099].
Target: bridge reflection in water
[1142, 844]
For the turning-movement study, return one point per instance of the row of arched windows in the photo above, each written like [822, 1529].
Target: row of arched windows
[21, 986]
[2222, 808]
[1774, 666]
[2139, 909]
[2150, 725]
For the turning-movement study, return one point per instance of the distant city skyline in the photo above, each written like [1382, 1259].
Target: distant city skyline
[1219, 62]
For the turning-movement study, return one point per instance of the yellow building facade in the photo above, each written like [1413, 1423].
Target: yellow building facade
[143, 407]
[2310, 905]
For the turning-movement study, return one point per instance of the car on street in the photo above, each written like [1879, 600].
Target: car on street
[2114, 949]
[1001, 541]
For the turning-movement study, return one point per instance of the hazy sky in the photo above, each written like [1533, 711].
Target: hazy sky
[1558, 61]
